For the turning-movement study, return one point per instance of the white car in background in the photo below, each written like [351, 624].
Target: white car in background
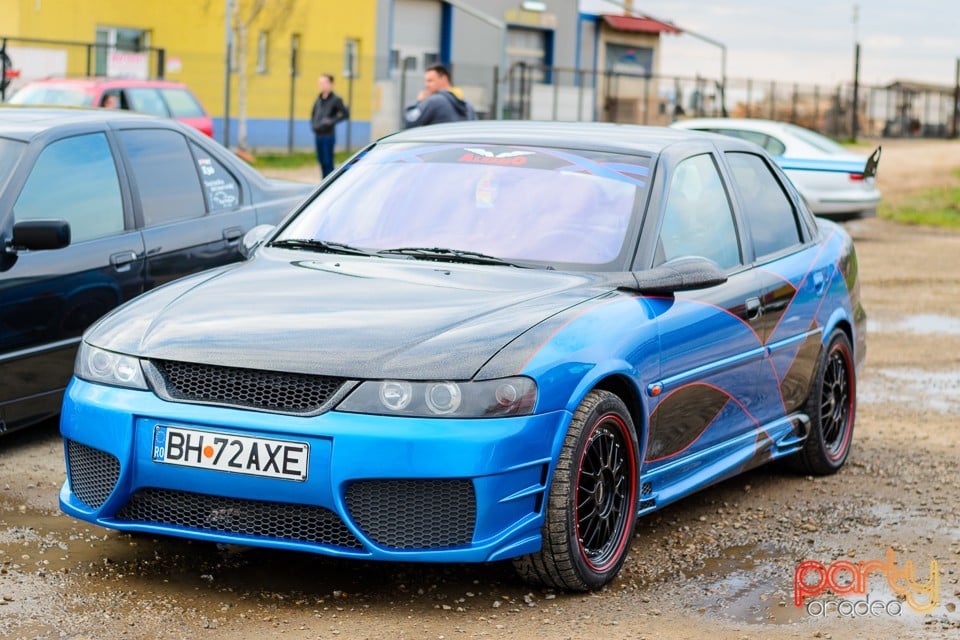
[837, 194]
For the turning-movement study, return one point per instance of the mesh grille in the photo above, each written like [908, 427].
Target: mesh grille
[646, 489]
[414, 514]
[278, 520]
[93, 473]
[250, 388]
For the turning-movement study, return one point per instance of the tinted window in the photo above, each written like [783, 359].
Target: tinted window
[557, 206]
[146, 101]
[10, 151]
[220, 188]
[697, 219]
[181, 103]
[771, 215]
[75, 179]
[165, 174]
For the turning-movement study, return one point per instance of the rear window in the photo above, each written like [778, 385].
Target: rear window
[182, 104]
[42, 94]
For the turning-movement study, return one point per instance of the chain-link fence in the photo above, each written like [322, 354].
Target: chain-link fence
[900, 109]
[280, 89]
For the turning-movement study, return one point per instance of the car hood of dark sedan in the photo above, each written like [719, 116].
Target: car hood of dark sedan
[356, 317]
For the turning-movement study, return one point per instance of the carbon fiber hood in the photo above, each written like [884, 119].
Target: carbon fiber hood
[354, 317]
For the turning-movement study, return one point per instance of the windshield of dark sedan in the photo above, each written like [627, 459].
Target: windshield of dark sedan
[522, 204]
[10, 151]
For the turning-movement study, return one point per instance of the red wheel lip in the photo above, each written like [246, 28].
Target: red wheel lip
[844, 447]
[627, 533]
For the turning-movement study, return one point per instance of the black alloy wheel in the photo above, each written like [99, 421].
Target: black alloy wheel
[592, 504]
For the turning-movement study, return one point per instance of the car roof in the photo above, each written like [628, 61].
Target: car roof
[25, 122]
[107, 83]
[623, 138]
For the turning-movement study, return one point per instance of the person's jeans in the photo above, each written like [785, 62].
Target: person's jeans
[325, 146]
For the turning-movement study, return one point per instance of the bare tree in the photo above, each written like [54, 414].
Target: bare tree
[269, 15]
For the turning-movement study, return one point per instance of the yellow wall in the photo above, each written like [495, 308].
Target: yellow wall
[193, 32]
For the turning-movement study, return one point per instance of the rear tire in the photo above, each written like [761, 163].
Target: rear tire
[831, 407]
[592, 504]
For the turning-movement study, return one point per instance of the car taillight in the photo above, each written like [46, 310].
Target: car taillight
[856, 177]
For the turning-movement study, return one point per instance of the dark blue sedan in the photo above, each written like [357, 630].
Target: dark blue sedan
[129, 202]
[480, 342]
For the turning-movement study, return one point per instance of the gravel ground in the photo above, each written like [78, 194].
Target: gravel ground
[719, 564]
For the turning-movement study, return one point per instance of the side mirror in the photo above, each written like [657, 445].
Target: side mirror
[254, 238]
[39, 235]
[680, 274]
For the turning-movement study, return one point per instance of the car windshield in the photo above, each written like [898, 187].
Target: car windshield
[41, 94]
[10, 151]
[521, 204]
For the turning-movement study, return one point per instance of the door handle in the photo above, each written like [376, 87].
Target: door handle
[232, 234]
[754, 308]
[123, 261]
[819, 282]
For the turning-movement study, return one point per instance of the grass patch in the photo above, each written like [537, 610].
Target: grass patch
[939, 207]
[295, 160]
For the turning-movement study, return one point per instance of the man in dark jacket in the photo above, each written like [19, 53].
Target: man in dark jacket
[438, 102]
[328, 110]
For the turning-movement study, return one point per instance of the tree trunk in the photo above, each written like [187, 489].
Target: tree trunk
[242, 85]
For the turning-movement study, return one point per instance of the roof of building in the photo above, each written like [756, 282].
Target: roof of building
[639, 24]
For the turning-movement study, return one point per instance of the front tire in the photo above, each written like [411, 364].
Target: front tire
[832, 408]
[592, 505]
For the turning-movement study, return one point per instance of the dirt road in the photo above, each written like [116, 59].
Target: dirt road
[719, 564]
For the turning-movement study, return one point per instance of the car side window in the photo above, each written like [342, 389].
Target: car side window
[165, 174]
[75, 179]
[181, 103]
[220, 187]
[769, 212]
[697, 217]
[146, 100]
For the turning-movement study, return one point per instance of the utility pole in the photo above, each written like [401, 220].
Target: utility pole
[228, 21]
[855, 123]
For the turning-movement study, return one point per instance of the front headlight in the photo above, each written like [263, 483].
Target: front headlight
[444, 399]
[106, 367]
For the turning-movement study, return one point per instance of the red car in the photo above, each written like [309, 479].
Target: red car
[156, 97]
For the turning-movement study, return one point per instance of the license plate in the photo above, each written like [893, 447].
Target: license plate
[232, 453]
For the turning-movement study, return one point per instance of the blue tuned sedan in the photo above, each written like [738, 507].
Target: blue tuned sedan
[479, 342]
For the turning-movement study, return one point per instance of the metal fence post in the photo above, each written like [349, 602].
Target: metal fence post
[956, 100]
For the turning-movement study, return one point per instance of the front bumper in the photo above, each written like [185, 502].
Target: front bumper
[377, 487]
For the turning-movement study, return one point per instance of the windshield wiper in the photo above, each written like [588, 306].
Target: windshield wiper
[324, 246]
[450, 255]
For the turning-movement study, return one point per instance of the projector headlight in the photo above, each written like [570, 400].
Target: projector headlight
[444, 399]
[106, 367]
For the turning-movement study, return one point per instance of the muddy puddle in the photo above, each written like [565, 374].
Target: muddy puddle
[922, 324]
[935, 390]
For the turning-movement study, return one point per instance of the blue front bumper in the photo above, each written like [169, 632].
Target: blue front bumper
[382, 485]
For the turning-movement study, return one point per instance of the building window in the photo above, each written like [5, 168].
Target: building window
[533, 48]
[263, 42]
[122, 52]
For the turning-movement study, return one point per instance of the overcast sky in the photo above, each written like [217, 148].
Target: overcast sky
[809, 41]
